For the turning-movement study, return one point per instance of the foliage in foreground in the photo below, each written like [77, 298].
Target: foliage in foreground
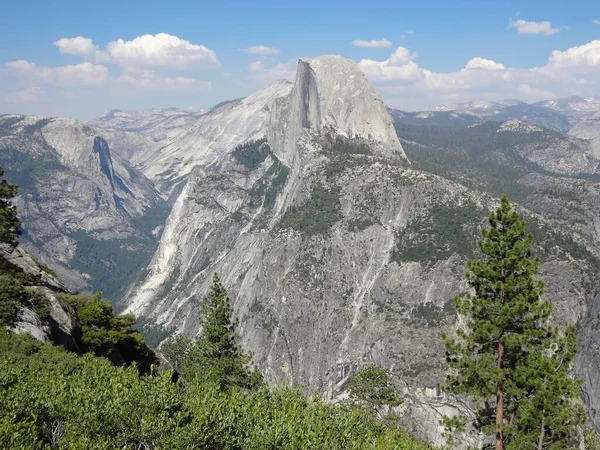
[52, 399]
[104, 334]
[9, 223]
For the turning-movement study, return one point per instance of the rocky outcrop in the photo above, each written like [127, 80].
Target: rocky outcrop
[588, 361]
[331, 95]
[61, 326]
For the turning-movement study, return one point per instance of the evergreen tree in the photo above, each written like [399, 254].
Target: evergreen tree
[105, 334]
[548, 412]
[9, 223]
[176, 349]
[372, 387]
[508, 360]
[216, 354]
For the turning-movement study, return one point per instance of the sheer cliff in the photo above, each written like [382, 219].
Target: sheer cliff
[337, 252]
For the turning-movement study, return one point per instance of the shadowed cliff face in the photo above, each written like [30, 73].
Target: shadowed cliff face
[334, 251]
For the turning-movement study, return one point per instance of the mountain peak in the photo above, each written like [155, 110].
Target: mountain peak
[332, 93]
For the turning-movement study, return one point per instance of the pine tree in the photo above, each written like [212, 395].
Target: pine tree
[508, 359]
[216, 354]
[9, 223]
[548, 412]
[372, 387]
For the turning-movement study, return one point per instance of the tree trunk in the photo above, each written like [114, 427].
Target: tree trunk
[500, 402]
[541, 438]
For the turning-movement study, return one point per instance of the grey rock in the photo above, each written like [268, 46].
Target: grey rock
[61, 327]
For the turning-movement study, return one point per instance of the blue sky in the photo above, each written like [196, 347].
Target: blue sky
[74, 58]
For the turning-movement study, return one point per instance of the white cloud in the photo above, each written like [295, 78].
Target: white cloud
[405, 84]
[286, 71]
[399, 66]
[260, 50]
[583, 55]
[161, 50]
[527, 27]
[375, 43]
[140, 62]
[150, 51]
[90, 75]
[79, 46]
[482, 63]
[597, 22]
[85, 73]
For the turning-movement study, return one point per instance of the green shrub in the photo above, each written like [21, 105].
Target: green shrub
[111, 336]
[52, 399]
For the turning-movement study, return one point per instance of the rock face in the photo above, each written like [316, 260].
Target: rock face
[337, 253]
[588, 360]
[554, 152]
[61, 327]
[166, 144]
[75, 196]
[330, 94]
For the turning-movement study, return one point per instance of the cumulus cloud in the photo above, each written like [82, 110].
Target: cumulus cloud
[150, 51]
[482, 63]
[260, 50]
[374, 43]
[140, 62]
[527, 27]
[587, 55]
[399, 66]
[160, 50]
[86, 73]
[404, 83]
[79, 46]
[286, 71]
[597, 22]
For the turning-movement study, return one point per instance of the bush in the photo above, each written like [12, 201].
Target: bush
[52, 399]
[14, 295]
[110, 336]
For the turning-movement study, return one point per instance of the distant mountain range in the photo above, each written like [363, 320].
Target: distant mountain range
[560, 115]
